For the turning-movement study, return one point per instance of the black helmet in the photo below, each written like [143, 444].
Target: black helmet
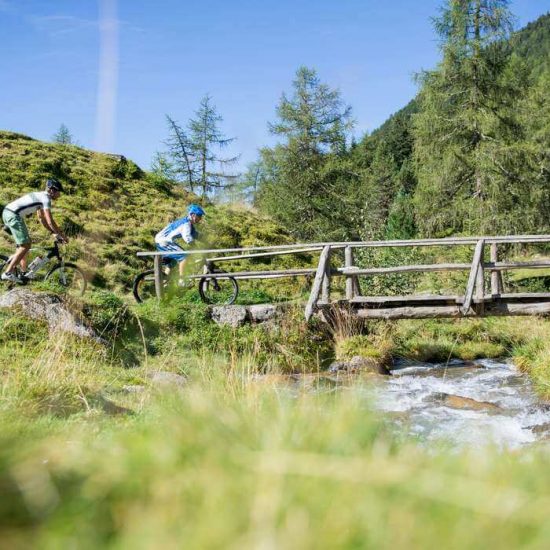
[54, 184]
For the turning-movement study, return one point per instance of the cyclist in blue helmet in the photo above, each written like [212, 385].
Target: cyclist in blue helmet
[182, 228]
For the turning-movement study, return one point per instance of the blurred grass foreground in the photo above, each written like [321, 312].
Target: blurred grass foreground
[232, 461]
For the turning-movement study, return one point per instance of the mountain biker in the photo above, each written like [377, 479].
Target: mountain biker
[183, 228]
[13, 217]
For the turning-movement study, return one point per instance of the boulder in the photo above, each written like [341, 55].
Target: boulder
[542, 430]
[466, 403]
[262, 312]
[234, 316]
[360, 364]
[46, 307]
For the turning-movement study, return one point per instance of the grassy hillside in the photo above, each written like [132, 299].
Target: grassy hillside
[112, 208]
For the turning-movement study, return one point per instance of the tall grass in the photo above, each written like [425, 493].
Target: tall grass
[233, 463]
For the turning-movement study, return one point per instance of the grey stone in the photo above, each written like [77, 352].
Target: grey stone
[162, 379]
[234, 316]
[461, 402]
[262, 312]
[133, 388]
[359, 364]
[46, 307]
[108, 406]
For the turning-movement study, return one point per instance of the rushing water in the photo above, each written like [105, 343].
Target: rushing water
[416, 396]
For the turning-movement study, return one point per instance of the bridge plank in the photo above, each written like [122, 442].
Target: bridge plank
[406, 299]
[494, 309]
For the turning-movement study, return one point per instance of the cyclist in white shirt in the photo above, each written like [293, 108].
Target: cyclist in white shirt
[13, 217]
[184, 229]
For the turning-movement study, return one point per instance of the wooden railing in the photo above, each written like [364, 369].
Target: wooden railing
[395, 306]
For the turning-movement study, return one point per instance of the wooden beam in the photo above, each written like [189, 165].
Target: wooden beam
[348, 260]
[478, 256]
[317, 282]
[256, 274]
[159, 276]
[403, 269]
[436, 312]
[265, 254]
[406, 299]
[504, 266]
[451, 241]
[496, 277]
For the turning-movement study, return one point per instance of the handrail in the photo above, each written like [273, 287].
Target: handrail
[311, 247]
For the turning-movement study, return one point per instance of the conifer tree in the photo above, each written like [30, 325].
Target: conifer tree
[193, 152]
[305, 175]
[467, 125]
[63, 136]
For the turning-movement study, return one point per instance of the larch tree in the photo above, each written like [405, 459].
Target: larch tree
[207, 140]
[63, 136]
[467, 128]
[194, 151]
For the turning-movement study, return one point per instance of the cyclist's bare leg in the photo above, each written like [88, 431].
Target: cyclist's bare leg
[20, 253]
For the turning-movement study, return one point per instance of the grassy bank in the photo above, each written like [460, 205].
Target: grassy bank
[229, 462]
[93, 453]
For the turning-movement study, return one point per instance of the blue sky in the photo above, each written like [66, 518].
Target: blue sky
[171, 52]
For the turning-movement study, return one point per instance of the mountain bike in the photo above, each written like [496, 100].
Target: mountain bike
[221, 290]
[65, 276]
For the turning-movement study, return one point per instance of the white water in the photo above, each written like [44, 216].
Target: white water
[411, 394]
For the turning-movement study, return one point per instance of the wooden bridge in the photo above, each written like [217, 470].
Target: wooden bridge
[483, 295]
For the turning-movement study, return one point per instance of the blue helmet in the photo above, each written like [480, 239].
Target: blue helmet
[195, 209]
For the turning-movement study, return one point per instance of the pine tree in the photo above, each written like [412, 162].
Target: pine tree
[63, 136]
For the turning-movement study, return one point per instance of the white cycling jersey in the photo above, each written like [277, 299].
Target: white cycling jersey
[30, 203]
[179, 229]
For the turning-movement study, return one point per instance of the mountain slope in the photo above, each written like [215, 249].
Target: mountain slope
[111, 207]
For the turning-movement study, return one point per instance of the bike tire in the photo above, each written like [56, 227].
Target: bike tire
[144, 286]
[218, 296]
[74, 281]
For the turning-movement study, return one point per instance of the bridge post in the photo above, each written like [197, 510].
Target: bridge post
[317, 282]
[352, 283]
[158, 276]
[325, 288]
[496, 276]
[474, 280]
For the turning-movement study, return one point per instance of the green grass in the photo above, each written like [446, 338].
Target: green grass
[230, 462]
[238, 460]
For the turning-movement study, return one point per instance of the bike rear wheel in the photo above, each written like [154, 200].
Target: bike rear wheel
[218, 291]
[69, 278]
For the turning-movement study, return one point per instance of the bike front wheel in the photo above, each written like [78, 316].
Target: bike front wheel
[69, 278]
[144, 286]
[218, 291]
